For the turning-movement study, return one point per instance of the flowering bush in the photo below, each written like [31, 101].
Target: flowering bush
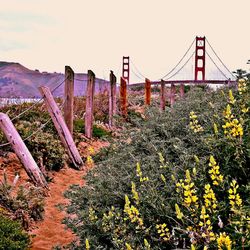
[182, 180]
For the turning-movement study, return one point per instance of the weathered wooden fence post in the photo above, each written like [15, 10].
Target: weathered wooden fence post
[61, 127]
[69, 98]
[147, 91]
[172, 94]
[123, 97]
[90, 104]
[112, 98]
[162, 95]
[21, 150]
[182, 90]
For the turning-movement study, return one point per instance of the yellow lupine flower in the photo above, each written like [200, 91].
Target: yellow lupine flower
[147, 245]
[231, 97]
[134, 192]
[214, 172]
[194, 124]
[87, 246]
[178, 212]
[163, 231]
[224, 241]
[128, 246]
[234, 198]
[216, 129]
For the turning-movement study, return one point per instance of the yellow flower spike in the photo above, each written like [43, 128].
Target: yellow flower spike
[163, 231]
[231, 97]
[188, 177]
[214, 172]
[87, 246]
[194, 171]
[134, 192]
[234, 198]
[194, 124]
[224, 241]
[163, 179]
[197, 160]
[91, 150]
[147, 245]
[173, 178]
[216, 129]
[139, 173]
[128, 247]
[89, 160]
[193, 247]
[178, 212]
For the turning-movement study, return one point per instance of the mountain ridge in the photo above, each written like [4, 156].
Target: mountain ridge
[17, 81]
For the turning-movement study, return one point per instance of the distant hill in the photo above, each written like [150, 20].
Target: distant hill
[17, 81]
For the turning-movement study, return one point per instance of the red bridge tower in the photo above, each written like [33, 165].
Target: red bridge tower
[125, 68]
[200, 58]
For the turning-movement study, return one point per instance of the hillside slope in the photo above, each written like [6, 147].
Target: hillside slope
[19, 81]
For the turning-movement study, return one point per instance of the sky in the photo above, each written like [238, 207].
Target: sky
[95, 34]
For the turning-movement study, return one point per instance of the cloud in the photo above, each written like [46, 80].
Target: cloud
[6, 45]
[23, 22]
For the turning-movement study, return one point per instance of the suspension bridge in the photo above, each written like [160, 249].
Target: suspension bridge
[206, 68]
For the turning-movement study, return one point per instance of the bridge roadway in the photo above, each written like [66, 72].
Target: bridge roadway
[188, 82]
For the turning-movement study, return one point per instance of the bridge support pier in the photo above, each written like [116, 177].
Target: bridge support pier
[182, 90]
[172, 94]
[162, 95]
[147, 91]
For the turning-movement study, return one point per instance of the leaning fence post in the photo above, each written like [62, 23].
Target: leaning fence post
[162, 95]
[61, 127]
[112, 98]
[147, 91]
[123, 97]
[69, 98]
[21, 150]
[90, 104]
[182, 90]
[172, 94]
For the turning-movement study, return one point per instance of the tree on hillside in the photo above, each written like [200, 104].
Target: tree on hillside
[240, 73]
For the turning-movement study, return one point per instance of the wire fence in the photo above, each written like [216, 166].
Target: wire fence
[31, 108]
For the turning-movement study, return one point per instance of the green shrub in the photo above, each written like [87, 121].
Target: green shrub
[98, 132]
[44, 145]
[26, 204]
[12, 235]
[166, 145]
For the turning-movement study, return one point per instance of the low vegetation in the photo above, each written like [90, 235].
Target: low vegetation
[179, 178]
[12, 235]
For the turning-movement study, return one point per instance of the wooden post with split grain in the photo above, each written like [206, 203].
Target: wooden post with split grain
[69, 98]
[61, 127]
[147, 91]
[90, 104]
[182, 90]
[172, 94]
[123, 97]
[162, 95]
[112, 98]
[21, 151]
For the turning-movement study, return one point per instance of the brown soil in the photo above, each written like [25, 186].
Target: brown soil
[51, 231]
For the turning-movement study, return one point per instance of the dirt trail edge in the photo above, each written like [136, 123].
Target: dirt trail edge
[51, 231]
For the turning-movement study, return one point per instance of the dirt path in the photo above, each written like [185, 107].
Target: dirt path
[51, 231]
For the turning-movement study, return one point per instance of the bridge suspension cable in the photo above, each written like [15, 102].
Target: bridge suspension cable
[138, 71]
[180, 67]
[220, 59]
[178, 61]
[216, 65]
